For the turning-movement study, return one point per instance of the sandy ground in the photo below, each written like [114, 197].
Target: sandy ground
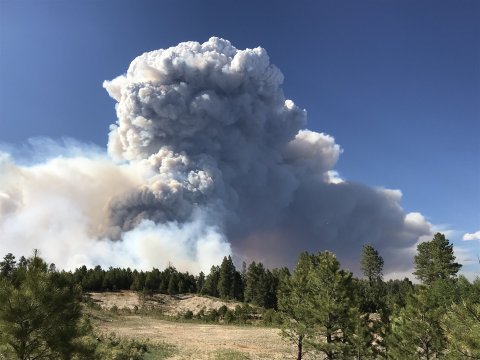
[192, 340]
[202, 341]
[169, 305]
[122, 299]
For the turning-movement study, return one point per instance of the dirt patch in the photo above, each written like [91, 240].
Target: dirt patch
[120, 299]
[192, 340]
[202, 341]
[174, 305]
[167, 304]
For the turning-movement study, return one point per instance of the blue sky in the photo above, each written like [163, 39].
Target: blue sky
[397, 83]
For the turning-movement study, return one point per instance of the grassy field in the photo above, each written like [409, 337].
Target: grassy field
[186, 340]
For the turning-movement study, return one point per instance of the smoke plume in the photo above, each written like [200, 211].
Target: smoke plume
[207, 158]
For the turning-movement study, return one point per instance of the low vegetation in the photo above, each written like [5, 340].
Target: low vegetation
[320, 309]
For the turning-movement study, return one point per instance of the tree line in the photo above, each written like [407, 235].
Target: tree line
[332, 314]
[323, 309]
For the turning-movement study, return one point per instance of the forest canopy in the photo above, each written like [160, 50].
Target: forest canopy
[320, 307]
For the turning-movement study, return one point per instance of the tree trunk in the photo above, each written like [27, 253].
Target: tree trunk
[300, 347]
[329, 340]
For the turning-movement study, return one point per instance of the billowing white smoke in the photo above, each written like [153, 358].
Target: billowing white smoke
[207, 157]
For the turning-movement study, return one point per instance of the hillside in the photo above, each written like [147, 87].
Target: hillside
[170, 305]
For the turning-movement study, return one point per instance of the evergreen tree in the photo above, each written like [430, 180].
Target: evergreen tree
[7, 266]
[332, 307]
[371, 264]
[435, 260]
[244, 272]
[138, 282]
[22, 262]
[292, 302]
[363, 336]
[416, 331]
[211, 282]
[94, 279]
[317, 302]
[226, 281]
[152, 279]
[397, 293]
[173, 285]
[238, 287]
[462, 328]
[200, 281]
[255, 285]
[38, 318]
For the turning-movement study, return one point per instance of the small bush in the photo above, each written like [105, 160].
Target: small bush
[113, 348]
[271, 317]
[222, 310]
[231, 355]
[212, 316]
[188, 315]
[201, 314]
[229, 317]
[160, 351]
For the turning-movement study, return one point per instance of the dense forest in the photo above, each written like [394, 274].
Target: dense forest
[320, 307]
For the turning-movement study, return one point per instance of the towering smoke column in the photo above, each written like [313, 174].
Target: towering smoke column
[211, 125]
[207, 157]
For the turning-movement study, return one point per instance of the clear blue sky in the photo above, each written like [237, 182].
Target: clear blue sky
[397, 83]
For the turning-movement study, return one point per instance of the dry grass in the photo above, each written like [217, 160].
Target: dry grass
[201, 341]
[192, 340]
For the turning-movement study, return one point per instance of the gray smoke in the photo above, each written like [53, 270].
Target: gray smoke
[208, 157]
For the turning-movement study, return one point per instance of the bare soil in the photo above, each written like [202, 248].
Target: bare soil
[202, 341]
[166, 304]
[192, 340]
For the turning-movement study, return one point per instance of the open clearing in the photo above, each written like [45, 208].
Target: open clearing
[202, 341]
[192, 340]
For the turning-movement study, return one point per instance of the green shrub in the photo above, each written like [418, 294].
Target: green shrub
[188, 315]
[229, 317]
[222, 310]
[114, 348]
[231, 355]
[271, 317]
[212, 316]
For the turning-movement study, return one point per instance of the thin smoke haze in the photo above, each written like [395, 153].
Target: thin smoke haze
[207, 158]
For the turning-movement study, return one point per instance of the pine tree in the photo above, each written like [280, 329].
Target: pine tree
[256, 287]
[211, 282]
[244, 272]
[40, 318]
[292, 302]
[363, 336]
[332, 303]
[435, 260]
[7, 266]
[416, 331]
[200, 281]
[173, 285]
[371, 264]
[226, 281]
[318, 305]
[462, 328]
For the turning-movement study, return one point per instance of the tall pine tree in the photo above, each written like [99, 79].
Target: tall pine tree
[292, 302]
[226, 282]
[435, 260]
[371, 264]
[318, 305]
[416, 331]
[40, 317]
